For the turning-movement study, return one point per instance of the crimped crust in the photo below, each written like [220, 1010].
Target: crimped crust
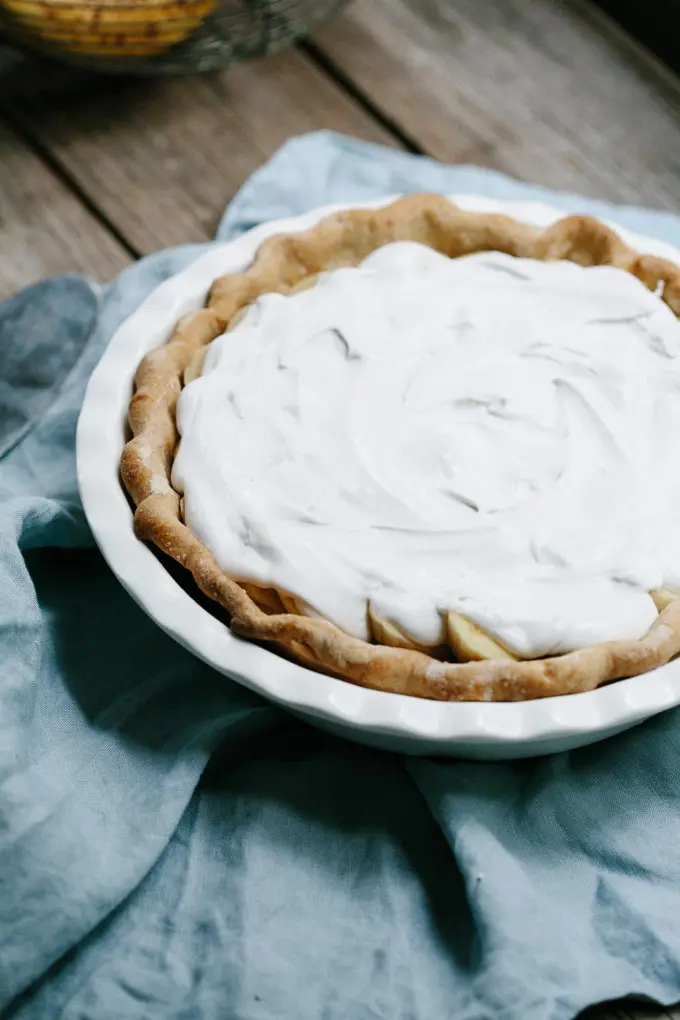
[283, 263]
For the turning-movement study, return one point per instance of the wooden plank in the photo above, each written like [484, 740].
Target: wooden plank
[161, 158]
[44, 229]
[539, 89]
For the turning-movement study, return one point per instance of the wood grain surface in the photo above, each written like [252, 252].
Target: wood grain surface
[96, 171]
[161, 158]
[546, 91]
[44, 228]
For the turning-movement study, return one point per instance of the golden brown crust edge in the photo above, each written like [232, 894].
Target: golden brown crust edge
[281, 263]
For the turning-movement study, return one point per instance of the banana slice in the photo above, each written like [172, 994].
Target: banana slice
[304, 284]
[290, 603]
[663, 597]
[387, 633]
[298, 607]
[470, 643]
[266, 598]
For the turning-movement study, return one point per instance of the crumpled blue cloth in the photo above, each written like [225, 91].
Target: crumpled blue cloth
[173, 847]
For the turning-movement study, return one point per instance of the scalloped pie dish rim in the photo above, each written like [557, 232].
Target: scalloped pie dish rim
[400, 722]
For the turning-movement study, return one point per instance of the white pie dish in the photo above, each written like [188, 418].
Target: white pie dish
[491, 731]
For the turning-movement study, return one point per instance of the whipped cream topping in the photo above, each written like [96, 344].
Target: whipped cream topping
[486, 434]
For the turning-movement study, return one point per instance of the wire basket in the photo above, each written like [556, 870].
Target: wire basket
[160, 36]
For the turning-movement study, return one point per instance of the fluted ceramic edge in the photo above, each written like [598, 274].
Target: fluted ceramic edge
[391, 721]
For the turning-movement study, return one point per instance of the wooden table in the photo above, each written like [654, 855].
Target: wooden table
[97, 172]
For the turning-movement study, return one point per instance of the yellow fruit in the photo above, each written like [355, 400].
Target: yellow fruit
[387, 633]
[470, 643]
[663, 597]
[109, 27]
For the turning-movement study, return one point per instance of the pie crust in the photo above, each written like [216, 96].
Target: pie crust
[286, 263]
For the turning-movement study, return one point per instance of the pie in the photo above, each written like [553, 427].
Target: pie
[427, 451]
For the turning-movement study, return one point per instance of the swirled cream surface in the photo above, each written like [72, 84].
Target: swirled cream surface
[487, 434]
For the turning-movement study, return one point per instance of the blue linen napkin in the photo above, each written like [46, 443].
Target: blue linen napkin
[173, 847]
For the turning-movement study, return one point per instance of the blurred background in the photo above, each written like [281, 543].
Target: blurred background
[126, 126]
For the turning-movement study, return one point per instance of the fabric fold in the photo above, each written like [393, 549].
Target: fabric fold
[172, 846]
